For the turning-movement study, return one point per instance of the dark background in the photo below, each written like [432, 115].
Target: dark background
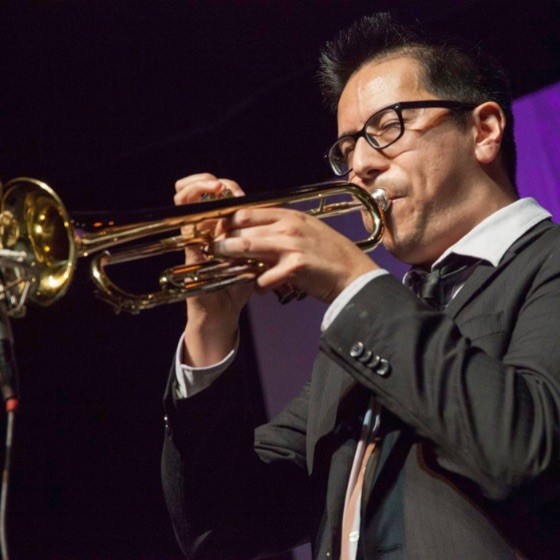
[110, 103]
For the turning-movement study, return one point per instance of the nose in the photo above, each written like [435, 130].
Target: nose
[368, 162]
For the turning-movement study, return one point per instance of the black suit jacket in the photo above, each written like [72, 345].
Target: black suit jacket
[469, 465]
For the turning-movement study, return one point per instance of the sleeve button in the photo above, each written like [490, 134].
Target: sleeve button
[365, 357]
[374, 361]
[383, 368]
[357, 350]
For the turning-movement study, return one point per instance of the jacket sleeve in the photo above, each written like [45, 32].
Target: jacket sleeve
[233, 492]
[492, 415]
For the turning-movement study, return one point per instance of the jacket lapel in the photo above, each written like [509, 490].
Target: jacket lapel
[485, 272]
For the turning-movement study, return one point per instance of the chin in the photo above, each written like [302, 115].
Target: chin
[400, 249]
[389, 245]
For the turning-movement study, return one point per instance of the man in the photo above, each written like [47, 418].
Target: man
[427, 430]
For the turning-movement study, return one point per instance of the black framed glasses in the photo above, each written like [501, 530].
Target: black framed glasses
[381, 130]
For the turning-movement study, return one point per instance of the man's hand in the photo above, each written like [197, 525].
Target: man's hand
[212, 318]
[296, 248]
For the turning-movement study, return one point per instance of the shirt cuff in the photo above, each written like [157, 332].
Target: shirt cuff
[192, 380]
[347, 294]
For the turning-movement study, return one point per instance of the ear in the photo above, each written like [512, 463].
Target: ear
[489, 124]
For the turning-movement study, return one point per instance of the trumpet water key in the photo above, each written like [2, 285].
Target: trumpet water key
[36, 227]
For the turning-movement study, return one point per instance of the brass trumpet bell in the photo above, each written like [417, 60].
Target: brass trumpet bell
[34, 223]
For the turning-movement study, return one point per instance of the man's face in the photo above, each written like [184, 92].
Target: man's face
[429, 173]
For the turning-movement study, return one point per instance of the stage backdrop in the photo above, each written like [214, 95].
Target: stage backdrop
[110, 103]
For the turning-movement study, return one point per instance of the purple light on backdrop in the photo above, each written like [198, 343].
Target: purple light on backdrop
[537, 133]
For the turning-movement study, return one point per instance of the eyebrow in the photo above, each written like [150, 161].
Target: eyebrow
[369, 117]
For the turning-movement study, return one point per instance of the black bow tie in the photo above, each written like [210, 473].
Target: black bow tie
[434, 287]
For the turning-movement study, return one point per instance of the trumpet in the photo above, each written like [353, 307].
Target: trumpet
[44, 242]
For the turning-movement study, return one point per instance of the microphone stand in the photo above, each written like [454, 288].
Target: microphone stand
[15, 281]
[8, 386]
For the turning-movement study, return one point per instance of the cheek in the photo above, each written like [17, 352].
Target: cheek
[435, 185]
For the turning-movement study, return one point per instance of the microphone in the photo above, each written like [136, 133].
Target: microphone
[8, 366]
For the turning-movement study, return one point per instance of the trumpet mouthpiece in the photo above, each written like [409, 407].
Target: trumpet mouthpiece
[381, 199]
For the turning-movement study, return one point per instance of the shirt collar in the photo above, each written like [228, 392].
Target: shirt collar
[491, 238]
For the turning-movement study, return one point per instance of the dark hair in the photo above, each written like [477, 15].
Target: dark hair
[449, 69]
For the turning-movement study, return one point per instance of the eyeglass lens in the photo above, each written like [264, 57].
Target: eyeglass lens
[381, 129]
